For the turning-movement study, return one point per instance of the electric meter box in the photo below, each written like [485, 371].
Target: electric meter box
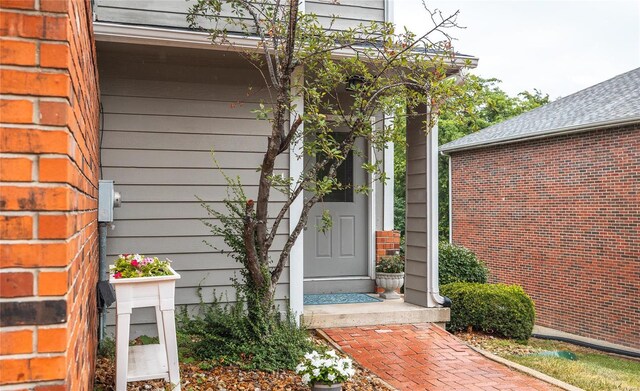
[108, 199]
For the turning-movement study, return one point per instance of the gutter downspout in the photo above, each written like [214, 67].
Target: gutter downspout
[432, 219]
[450, 209]
[103, 273]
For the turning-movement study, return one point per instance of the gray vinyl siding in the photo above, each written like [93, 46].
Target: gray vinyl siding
[173, 13]
[162, 13]
[346, 14]
[416, 220]
[161, 121]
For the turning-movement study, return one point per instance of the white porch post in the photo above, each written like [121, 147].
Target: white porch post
[296, 166]
[388, 193]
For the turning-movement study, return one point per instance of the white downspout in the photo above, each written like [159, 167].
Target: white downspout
[432, 221]
[450, 202]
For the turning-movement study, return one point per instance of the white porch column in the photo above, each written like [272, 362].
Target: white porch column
[388, 193]
[296, 166]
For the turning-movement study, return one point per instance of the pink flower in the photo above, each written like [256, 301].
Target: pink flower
[134, 263]
[117, 275]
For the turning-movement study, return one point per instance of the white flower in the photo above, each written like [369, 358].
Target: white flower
[331, 377]
[300, 368]
[306, 378]
[332, 353]
[316, 372]
[311, 356]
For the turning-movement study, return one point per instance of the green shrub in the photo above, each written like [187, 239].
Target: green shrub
[391, 264]
[500, 309]
[225, 335]
[459, 264]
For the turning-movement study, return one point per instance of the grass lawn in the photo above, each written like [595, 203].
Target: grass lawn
[593, 370]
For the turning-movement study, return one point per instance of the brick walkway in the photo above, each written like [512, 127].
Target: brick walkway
[425, 357]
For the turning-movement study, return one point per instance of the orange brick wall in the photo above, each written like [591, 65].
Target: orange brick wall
[49, 166]
[561, 217]
[387, 243]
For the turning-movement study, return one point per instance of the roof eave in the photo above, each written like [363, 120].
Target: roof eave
[542, 134]
[164, 36]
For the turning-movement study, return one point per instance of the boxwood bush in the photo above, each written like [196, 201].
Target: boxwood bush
[459, 264]
[500, 309]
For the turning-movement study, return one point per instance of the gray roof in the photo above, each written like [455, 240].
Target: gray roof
[610, 103]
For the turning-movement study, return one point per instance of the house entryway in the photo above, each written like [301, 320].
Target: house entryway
[337, 260]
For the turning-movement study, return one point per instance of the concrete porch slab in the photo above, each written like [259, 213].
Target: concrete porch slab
[371, 314]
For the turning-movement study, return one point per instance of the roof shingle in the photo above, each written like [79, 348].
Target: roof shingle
[611, 101]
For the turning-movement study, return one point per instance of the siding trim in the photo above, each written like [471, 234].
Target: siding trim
[388, 189]
[372, 212]
[296, 255]
[389, 12]
[157, 36]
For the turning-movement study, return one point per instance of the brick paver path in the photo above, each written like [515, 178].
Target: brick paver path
[425, 357]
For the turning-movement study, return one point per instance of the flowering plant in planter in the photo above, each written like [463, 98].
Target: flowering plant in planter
[390, 276]
[325, 368]
[391, 264]
[136, 265]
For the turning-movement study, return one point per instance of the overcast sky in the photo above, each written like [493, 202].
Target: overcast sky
[558, 47]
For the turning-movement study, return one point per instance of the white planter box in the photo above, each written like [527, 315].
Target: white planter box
[158, 361]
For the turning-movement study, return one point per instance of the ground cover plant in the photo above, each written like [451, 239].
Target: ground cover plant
[207, 375]
[592, 371]
[224, 335]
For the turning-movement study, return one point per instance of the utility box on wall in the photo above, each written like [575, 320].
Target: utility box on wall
[108, 199]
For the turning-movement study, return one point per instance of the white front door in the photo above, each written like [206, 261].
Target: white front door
[337, 260]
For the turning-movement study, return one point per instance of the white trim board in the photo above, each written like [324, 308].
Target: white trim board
[296, 256]
[389, 186]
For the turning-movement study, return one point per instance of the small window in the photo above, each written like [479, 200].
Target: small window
[344, 175]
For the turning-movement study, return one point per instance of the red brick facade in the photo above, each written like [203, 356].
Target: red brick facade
[387, 243]
[560, 216]
[49, 165]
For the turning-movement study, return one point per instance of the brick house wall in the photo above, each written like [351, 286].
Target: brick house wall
[49, 165]
[561, 217]
[387, 243]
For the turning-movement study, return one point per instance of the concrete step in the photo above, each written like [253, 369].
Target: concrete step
[371, 314]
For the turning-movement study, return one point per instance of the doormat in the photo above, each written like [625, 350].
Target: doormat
[339, 298]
